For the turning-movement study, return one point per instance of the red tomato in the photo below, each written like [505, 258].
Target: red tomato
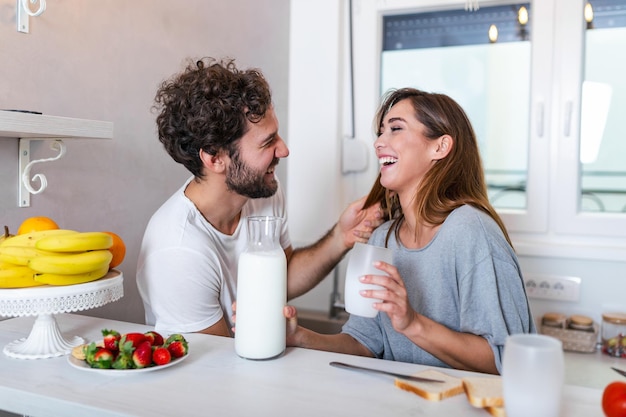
[614, 399]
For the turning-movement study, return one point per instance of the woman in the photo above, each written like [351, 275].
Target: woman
[456, 290]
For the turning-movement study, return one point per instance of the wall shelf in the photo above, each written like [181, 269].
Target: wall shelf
[27, 127]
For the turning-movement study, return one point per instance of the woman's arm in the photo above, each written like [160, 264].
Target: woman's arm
[459, 350]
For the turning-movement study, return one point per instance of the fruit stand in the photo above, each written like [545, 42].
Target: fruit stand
[45, 339]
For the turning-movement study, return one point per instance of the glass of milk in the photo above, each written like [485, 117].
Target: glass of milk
[361, 262]
[261, 291]
[532, 375]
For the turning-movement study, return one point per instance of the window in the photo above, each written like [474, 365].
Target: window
[482, 60]
[603, 100]
[542, 83]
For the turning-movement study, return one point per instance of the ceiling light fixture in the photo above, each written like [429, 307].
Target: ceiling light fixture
[522, 16]
[588, 13]
[493, 33]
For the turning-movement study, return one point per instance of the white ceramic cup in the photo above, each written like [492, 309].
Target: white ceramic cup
[360, 262]
[532, 375]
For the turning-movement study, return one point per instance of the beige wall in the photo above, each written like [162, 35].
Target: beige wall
[103, 60]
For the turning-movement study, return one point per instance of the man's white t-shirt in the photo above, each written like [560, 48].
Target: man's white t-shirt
[187, 270]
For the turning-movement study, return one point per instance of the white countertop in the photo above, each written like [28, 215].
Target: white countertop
[592, 370]
[214, 381]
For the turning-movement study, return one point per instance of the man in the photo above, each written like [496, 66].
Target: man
[219, 122]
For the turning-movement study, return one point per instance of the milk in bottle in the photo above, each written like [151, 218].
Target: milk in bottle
[261, 291]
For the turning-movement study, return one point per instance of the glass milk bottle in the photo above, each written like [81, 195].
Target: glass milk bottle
[261, 291]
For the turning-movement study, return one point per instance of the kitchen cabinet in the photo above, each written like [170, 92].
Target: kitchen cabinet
[28, 127]
[563, 212]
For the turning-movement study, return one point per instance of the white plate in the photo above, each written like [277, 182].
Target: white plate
[83, 366]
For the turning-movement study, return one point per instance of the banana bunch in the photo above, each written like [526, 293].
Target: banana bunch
[29, 239]
[54, 257]
[17, 276]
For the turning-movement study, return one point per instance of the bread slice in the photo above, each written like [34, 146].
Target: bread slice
[432, 391]
[496, 411]
[484, 391]
[79, 352]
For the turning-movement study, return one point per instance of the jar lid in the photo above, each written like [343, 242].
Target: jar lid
[554, 317]
[582, 320]
[616, 318]
[554, 320]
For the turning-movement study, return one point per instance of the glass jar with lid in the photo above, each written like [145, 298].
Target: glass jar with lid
[614, 334]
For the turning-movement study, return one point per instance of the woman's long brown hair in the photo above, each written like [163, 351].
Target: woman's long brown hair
[453, 181]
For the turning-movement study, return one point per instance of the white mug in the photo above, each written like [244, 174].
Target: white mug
[362, 258]
[532, 375]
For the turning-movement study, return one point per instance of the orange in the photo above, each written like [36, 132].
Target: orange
[36, 224]
[118, 249]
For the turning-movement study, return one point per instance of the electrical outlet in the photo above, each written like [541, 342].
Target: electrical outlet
[552, 287]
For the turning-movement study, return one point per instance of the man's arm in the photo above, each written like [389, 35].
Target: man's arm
[307, 266]
[302, 337]
[219, 329]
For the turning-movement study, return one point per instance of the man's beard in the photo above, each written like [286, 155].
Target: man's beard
[245, 181]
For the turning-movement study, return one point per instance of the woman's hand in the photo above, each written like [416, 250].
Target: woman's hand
[395, 302]
[458, 349]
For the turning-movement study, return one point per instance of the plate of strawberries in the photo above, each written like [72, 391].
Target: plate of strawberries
[130, 353]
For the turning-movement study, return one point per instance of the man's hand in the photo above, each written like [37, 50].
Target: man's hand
[291, 315]
[357, 224]
[306, 267]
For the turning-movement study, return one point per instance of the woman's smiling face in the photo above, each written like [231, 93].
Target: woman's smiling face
[405, 154]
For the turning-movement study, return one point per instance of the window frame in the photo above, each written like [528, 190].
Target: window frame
[551, 224]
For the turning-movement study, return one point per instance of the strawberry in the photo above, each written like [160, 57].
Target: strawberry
[111, 339]
[124, 358]
[99, 357]
[161, 356]
[103, 359]
[175, 337]
[142, 356]
[155, 338]
[135, 338]
[90, 351]
[178, 348]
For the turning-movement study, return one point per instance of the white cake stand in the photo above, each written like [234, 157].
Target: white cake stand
[45, 339]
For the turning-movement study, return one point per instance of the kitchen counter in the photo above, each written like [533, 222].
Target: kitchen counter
[213, 380]
[592, 370]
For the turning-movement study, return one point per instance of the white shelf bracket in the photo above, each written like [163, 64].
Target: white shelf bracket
[25, 164]
[23, 13]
